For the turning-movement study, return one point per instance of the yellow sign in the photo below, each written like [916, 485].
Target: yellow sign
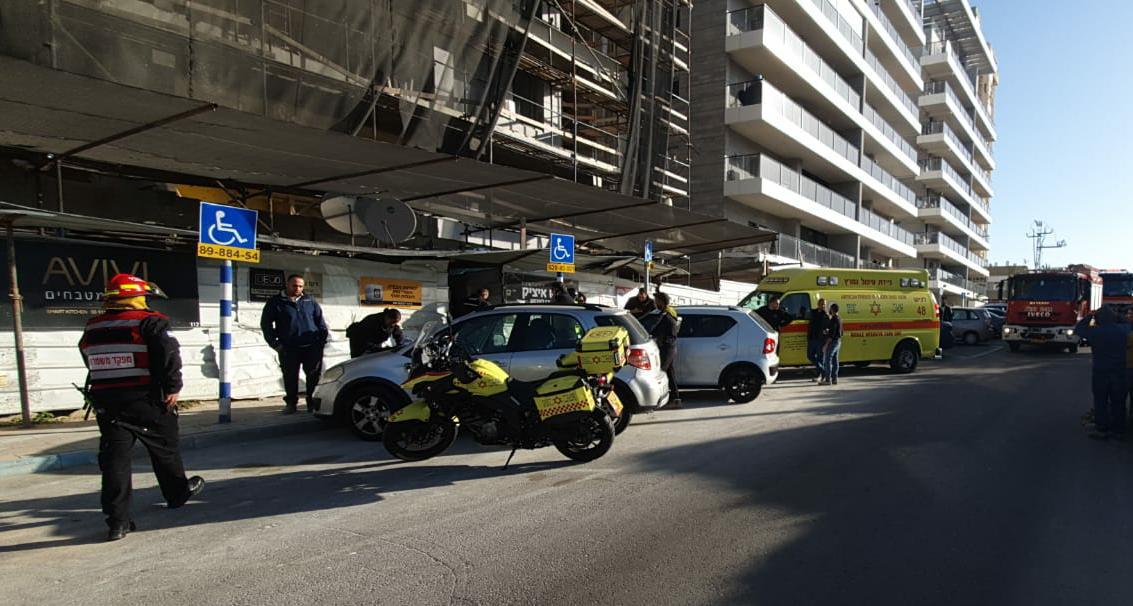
[566, 268]
[229, 253]
[391, 293]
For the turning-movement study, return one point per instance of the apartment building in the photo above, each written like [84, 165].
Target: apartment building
[860, 130]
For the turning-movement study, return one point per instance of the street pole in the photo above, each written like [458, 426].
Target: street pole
[225, 341]
[18, 327]
[647, 277]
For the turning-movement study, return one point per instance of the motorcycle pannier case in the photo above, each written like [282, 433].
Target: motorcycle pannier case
[603, 350]
[563, 398]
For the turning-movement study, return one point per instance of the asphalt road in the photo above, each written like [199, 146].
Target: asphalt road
[969, 482]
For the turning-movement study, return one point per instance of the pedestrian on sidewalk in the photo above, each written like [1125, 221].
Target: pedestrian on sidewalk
[816, 337]
[134, 379]
[1109, 341]
[376, 332]
[832, 347]
[293, 325]
[665, 334]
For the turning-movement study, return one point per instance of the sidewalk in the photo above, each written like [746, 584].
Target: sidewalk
[50, 447]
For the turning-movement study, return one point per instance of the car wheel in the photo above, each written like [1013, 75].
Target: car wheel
[1014, 346]
[971, 338]
[905, 357]
[628, 407]
[742, 384]
[366, 409]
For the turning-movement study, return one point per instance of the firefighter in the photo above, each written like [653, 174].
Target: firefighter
[134, 377]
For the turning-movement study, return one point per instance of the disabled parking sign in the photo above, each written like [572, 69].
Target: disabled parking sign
[228, 232]
[561, 254]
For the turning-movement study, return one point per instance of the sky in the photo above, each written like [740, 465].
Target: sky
[1064, 116]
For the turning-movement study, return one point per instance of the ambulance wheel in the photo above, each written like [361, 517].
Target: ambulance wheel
[594, 438]
[628, 406]
[905, 357]
[742, 383]
[1014, 346]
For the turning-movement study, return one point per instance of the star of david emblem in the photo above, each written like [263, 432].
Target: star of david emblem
[875, 309]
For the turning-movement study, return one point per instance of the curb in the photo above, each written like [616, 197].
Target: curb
[65, 460]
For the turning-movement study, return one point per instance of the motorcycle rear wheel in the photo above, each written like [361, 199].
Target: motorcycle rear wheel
[418, 440]
[594, 438]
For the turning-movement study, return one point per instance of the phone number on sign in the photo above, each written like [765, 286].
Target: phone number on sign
[230, 253]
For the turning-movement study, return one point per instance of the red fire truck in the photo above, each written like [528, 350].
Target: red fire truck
[1117, 289]
[1044, 305]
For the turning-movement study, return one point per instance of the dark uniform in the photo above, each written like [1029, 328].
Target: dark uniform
[665, 334]
[777, 318]
[135, 363]
[370, 333]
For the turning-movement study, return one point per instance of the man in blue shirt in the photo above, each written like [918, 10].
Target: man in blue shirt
[1108, 341]
[293, 325]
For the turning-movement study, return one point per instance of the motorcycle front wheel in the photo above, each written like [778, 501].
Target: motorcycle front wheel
[594, 438]
[418, 440]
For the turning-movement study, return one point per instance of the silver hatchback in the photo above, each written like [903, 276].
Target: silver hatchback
[526, 340]
[973, 325]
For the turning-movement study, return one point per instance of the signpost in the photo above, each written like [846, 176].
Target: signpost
[561, 255]
[648, 262]
[227, 233]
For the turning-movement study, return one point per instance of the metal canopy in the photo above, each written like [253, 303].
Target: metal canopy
[963, 26]
[52, 112]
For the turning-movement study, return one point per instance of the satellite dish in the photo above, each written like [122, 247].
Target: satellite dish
[387, 219]
[339, 214]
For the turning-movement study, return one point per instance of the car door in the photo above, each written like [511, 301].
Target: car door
[792, 339]
[540, 340]
[706, 343]
[488, 336]
[962, 322]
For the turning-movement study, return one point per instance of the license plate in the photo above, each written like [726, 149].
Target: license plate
[615, 403]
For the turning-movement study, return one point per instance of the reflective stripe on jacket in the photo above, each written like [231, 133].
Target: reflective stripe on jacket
[115, 350]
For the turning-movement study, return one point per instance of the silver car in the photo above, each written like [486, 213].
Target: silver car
[972, 325]
[726, 347]
[526, 340]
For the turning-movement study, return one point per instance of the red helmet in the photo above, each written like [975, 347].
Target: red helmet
[123, 286]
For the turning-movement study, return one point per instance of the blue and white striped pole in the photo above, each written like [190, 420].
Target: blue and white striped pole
[225, 341]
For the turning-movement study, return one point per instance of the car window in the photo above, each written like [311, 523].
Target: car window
[704, 326]
[797, 304]
[486, 334]
[637, 333]
[549, 331]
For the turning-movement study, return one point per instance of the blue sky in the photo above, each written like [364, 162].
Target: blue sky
[1064, 115]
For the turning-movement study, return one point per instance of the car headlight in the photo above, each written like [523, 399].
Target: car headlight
[333, 374]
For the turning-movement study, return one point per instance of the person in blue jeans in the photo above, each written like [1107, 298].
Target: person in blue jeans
[832, 347]
[816, 337]
[1108, 342]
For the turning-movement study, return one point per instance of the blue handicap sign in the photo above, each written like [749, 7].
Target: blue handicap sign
[227, 226]
[648, 252]
[562, 249]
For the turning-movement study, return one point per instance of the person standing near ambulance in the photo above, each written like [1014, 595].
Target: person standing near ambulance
[133, 384]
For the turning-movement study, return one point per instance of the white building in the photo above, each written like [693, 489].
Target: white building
[860, 130]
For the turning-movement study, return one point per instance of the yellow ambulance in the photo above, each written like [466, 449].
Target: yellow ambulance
[887, 315]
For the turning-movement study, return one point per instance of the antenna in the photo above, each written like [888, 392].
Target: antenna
[1038, 236]
[388, 220]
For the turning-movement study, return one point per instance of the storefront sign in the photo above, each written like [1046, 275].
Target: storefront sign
[62, 283]
[526, 288]
[390, 293]
[264, 283]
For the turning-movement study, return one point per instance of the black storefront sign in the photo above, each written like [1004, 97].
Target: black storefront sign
[264, 283]
[530, 288]
[62, 283]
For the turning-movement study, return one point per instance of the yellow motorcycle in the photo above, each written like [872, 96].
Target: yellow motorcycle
[573, 409]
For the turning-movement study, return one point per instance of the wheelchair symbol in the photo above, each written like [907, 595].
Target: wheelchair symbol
[220, 226]
[559, 253]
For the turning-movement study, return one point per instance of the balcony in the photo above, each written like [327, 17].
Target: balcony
[941, 61]
[807, 253]
[938, 174]
[959, 284]
[765, 115]
[904, 57]
[765, 183]
[941, 103]
[938, 211]
[760, 41]
[939, 139]
[901, 102]
[909, 19]
[936, 245]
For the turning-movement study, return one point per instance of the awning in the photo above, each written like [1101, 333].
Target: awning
[53, 112]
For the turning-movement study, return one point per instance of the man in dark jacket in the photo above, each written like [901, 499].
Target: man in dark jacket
[776, 317]
[370, 334]
[665, 334]
[559, 294]
[1108, 341]
[293, 325]
[816, 337]
[133, 386]
[640, 304]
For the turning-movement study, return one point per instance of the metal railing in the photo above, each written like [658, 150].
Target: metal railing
[942, 128]
[957, 62]
[809, 252]
[943, 204]
[935, 163]
[937, 87]
[890, 83]
[910, 56]
[936, 237]
[889, 132]
[888, 180]
[885, 226]
[840, 23]
[763, 18]
[941, 275]
[757, 91]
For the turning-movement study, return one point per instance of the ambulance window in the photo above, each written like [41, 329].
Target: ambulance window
[798, 305]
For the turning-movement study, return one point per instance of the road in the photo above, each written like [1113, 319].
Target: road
[969, 482]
